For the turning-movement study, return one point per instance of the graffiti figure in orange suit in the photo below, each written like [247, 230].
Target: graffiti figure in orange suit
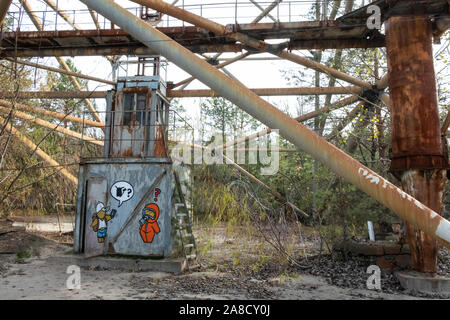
[148, 223]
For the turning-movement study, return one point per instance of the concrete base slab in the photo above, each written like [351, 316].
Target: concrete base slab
[176, 265]
[422, 282]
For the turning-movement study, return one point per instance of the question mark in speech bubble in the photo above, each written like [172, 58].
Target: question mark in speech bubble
[157, 192]
[122, 191]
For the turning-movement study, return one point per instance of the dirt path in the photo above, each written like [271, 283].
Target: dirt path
[25, 273]
[36, 278]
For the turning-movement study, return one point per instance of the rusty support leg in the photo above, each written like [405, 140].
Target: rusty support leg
[418, 156]
[427, 186]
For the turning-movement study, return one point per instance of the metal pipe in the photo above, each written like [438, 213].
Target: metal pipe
[269, 92]
[260, 45]
[53, 114]
[51, 126]
[54, 94]
[4, 6]
[70, 73]
[344, 165]
[41, 154]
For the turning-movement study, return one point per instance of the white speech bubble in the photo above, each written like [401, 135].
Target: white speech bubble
[122, 191]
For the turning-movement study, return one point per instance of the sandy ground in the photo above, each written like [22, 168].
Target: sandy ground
[34, 277]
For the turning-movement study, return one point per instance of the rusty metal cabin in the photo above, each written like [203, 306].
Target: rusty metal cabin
[138, 114]
[124, 201]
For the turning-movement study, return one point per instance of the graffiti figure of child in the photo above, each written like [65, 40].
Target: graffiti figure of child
[148, 223]
[100, 221]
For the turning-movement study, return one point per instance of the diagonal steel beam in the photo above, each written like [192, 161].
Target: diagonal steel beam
[64, 71]
[63, 15]
[221, 65]
[338, 161]
[259, 45]
[51, 126]
[266, 92]
[52, 114]
[94, 19]
[40, 153]
[265, 12]
[305, 117]
[61, 61]
[446, 124]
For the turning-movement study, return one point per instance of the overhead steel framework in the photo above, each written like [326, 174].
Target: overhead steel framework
[420, 155]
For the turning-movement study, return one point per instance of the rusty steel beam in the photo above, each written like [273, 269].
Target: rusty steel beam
[4, 6]
[40, 153]
[117, 50]
[320, 44]
[54, 95]
[61, 61]
[94, 19]
[52, 114]
[181, 93]
[442, 25]
[305, 117]
[62, 14]
[265, 12]
[338, 161]
[64, 71]
[51, 126]
[219, 66]
[269, 92]
[344, 122]
[419, 158]
[70, 21]
[260, 45]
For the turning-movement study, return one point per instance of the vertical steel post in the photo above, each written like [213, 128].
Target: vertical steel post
[344, 165]
[419, 158]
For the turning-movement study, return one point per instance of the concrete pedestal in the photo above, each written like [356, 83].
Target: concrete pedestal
[423, 282]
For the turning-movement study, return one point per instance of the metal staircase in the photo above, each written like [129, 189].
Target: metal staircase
[183, 213]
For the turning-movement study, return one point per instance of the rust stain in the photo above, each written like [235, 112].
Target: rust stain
[160, 149]
[428, 187]
[416, 137]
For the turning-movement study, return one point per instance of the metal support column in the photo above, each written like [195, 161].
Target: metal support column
[419, 158]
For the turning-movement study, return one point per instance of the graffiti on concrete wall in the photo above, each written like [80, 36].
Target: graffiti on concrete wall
[122, 191]
[148, 224]
[100, 219]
